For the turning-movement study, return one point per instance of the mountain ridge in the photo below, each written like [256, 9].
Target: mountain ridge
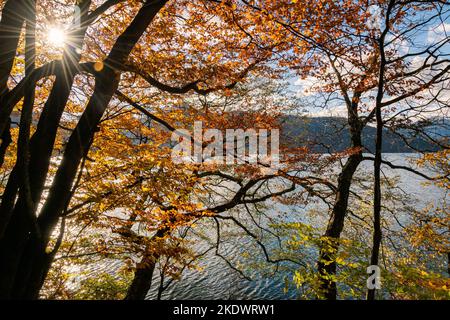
[331, 134]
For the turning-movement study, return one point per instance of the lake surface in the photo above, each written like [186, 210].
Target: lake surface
[218, 281]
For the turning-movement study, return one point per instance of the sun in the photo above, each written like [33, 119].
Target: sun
[56, 36]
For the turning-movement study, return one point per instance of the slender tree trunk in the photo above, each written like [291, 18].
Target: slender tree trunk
[448, 263]
[326, 264]
[23, 143]
[10, 28]
[42, 141]
[377, 233]
[13, 17]
[7, 203]
[33, 264]
[41, 146]
[6, 140]
[17, 235]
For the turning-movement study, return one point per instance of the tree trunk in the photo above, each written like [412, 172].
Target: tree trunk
[143, 275]
[142, 280]
[34, 262]
[10, 28]
[23, 151]
[42, 141]
[326, 265]
[6, 140]
[377, 234]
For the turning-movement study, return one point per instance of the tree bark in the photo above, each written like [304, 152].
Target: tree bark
[326, 265]
[42, 141]
[13, 17]
[377, 233]
[142, 280]
[10, 29]
[6, 140]
[22, 163]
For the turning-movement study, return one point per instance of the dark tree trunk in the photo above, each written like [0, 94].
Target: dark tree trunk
[23, 152]
[377, 234]
[142, 280]
[34, 263]
[10, 28]
[42, 141]
[327, 255]
[7, 203]
[448, 263]
[11, 245]
[6, 140]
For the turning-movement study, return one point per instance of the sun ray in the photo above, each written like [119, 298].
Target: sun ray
[56, 36]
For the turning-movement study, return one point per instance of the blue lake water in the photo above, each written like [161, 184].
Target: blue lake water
[216, 280]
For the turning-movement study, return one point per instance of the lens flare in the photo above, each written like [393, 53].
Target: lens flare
[56, 36]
